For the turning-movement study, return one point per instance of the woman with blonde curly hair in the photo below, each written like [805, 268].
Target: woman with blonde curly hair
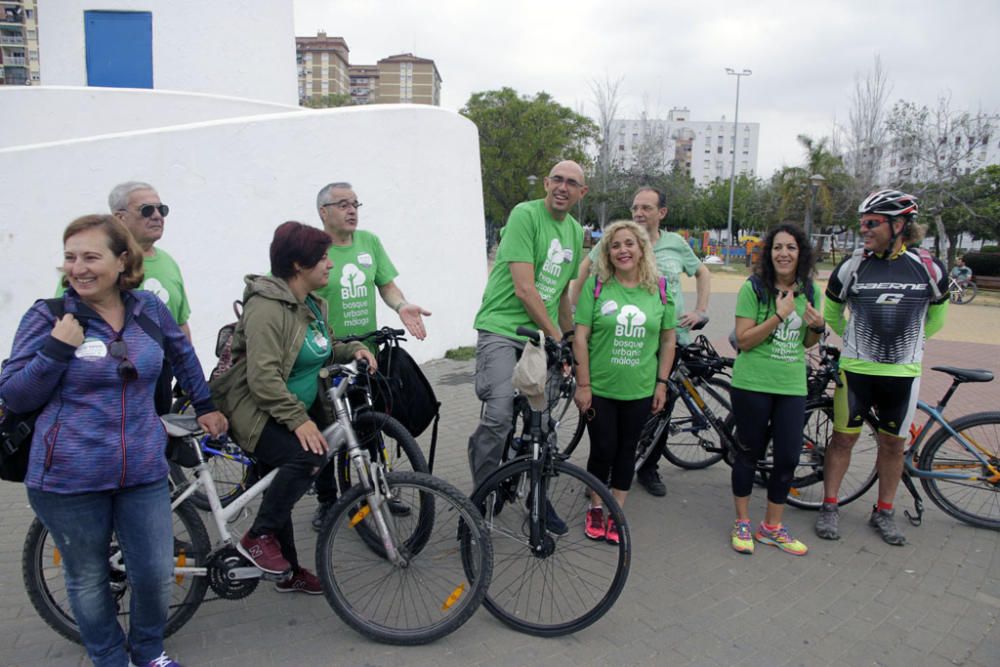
[624, 347]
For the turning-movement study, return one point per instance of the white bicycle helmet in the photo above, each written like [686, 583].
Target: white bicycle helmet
[890, 203]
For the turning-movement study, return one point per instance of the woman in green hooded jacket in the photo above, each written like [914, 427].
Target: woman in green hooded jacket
[282, 341]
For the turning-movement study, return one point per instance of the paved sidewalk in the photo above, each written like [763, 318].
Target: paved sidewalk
[690, 600]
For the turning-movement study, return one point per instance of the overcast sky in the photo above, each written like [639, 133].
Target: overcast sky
[804, 55]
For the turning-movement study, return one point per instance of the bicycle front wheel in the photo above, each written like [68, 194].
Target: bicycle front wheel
[572, 581]
[41, 568]
[693, 442]
[975, 500]
[446, 565]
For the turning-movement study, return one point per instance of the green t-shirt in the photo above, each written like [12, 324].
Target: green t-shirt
[358, 271]
[313, 354]
[554, 248]
[673, 256]
[162, 277]
[625, 325]
[777, 365]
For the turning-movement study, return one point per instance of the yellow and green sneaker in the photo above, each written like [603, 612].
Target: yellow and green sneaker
[781, 539]
[742, 537]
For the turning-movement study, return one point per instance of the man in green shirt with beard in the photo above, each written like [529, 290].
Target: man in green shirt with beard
[538, 256]
[673, 257]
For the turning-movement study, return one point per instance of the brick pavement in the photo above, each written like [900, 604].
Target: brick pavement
[690, 600]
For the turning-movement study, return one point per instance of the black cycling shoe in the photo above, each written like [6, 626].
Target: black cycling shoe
[319, 516]
[650, 480]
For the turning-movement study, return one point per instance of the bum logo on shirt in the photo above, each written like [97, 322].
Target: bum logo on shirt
[547, 283]
[630, 336]
[785, 339]
[352, 280]
[156, 287]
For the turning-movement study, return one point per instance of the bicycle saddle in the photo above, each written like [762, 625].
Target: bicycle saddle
[178, 426]
[966, 374]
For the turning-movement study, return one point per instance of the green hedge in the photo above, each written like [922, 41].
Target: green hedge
[983, 263]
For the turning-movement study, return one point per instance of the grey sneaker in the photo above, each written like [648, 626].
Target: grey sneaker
[884, 521]
[828, 522]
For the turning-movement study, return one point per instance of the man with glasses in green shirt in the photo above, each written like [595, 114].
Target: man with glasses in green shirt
[538, 256]
[360, 267]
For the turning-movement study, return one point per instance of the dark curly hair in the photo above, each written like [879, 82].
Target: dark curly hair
[806, 267]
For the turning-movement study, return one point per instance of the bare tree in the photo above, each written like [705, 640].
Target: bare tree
[650, 154]
[867, 134]
[606, 99]
[932, 148]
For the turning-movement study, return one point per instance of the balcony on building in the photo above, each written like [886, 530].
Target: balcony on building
[11, 15]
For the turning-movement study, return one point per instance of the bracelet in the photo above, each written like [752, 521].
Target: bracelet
[662, 381]
[819, 329]
[578, 385]
[400, 305]
[781, 319]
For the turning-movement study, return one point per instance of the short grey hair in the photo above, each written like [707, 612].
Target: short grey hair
[118, 199]
[324, 192]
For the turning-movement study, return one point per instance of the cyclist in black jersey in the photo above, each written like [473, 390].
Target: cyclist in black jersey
[898, 297]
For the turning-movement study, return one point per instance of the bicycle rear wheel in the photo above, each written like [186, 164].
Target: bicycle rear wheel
[574, 581]
[41, 568]
[690, 443]
[974, 501]
[449, 562]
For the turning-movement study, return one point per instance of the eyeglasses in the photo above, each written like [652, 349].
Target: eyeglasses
[146, 210]
[126, 369]
[559, 180]
[871, 223]
[343, 204]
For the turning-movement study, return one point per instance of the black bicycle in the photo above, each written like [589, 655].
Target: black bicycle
[549, 579]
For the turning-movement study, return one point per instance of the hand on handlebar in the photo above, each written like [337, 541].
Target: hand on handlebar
[366, 356]
[693, 320]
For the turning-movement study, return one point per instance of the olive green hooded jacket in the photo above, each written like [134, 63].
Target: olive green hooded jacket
[267, 342]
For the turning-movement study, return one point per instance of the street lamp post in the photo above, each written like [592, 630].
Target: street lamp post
[532, 179]
[814, 182]
[732, 175]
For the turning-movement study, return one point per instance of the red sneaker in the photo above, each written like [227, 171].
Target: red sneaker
[611, 532]
[264, 552]
[593, 526]
[301, 581]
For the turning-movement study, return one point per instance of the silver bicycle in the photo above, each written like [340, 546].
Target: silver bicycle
[408, 573]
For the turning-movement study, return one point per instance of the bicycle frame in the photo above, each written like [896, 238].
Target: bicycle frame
[935, 415]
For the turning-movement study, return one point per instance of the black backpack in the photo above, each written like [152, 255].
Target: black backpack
[16, 429]
[407, 394]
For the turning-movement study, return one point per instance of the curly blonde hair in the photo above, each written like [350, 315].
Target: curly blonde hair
[605, 270]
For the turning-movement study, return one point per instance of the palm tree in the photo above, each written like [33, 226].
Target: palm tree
[794, 184]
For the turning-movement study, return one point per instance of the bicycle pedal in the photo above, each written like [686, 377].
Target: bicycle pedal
[267, 576]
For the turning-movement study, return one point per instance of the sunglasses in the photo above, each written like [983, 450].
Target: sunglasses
[871, 224]
[126, 369]
[146, 210]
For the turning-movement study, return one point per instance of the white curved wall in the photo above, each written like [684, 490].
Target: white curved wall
[241, 48]
[229, 183]
[31, 114]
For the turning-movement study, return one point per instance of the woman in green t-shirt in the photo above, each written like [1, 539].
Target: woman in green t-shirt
[282, 341]
[775, 321]
[624, 347]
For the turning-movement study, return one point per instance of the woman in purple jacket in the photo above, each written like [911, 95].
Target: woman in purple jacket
[97, 455]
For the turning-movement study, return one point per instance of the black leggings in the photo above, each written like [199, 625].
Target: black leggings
[614, 432]
[758, 415]
[280, 448]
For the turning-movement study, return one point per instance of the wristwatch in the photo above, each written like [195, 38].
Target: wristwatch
[819, 329]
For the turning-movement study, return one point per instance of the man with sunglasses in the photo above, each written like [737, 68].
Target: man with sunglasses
[898, 296]
[360, 267]
[538, 256]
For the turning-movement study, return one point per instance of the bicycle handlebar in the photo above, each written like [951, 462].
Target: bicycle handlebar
[381, 336]
[556, 351]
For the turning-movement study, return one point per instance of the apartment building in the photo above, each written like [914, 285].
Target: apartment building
[19, 62]
[701, 149]
[322, 64]
[364, 83]
[405, 78]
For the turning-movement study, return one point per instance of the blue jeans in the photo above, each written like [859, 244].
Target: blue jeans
[81, 526]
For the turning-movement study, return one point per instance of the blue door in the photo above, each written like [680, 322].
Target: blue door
[119, 49]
